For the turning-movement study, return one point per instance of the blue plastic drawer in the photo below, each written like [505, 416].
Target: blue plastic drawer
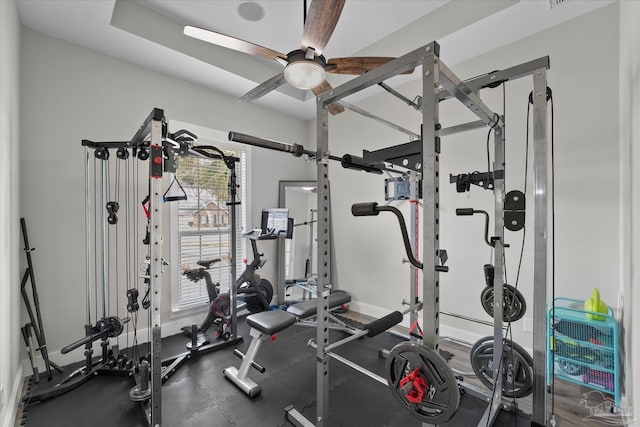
[583, 350]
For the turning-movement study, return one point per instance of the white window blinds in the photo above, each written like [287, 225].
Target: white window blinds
[204, 225]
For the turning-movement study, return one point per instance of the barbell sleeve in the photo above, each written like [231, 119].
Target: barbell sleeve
[85, 340]
[295, 149]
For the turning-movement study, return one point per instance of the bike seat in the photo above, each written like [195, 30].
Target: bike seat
[208, 263]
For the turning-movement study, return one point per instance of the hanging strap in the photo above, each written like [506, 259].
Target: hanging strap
[144, 203]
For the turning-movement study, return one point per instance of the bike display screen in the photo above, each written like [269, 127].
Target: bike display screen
[276, 221]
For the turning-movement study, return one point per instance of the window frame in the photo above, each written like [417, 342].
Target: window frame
[206, 136]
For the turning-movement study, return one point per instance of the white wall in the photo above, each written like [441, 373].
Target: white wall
[629, 200]
[70, 93]
[583, 76]
[10, 253]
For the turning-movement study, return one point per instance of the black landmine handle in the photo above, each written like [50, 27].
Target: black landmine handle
[470, 212]
[464, 211]
[380, 325]
[372, 209]
[365, 209]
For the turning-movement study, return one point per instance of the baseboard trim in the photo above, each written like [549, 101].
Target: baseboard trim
[14, 400]
[445, 330]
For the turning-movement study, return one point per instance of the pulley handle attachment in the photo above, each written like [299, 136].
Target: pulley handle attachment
[183, 196]
[145, 208]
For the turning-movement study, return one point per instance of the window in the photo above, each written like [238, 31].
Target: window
[203, 225]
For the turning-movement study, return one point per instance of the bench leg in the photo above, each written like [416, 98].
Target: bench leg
[249, 357]
[240, 377]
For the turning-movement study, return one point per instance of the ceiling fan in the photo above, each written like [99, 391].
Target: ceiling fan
[304, 68]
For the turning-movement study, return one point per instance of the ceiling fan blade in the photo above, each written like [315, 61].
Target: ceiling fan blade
[322, 18]
[264, 88]
[319, 90]
[232, 43]
[358, 64]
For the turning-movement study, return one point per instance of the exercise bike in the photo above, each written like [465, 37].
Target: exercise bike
[255, 291]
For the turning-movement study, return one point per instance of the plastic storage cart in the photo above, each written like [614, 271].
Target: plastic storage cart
[584, 347]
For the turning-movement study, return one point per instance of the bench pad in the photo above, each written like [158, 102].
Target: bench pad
[270, 322]
[308, 308]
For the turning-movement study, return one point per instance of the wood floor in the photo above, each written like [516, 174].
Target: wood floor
[567, 407]
[568, 410]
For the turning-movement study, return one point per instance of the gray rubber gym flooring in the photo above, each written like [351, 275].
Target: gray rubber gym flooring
[199, 395]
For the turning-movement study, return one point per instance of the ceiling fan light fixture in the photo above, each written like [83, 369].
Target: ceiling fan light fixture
[304, 74]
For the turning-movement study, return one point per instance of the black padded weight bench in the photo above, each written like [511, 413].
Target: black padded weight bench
[264, 325]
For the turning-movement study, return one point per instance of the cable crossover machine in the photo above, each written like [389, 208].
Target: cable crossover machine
[415, 373]
[118, 266]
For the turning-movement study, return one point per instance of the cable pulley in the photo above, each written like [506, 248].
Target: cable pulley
[101, 153]
[143, 154]
[122, 153]
[112, 210]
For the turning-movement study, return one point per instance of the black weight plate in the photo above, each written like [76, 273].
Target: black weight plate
[253, 303]
[266, 288]
[514, 305]
[442, 396]
[115, 326]
[517, 367]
